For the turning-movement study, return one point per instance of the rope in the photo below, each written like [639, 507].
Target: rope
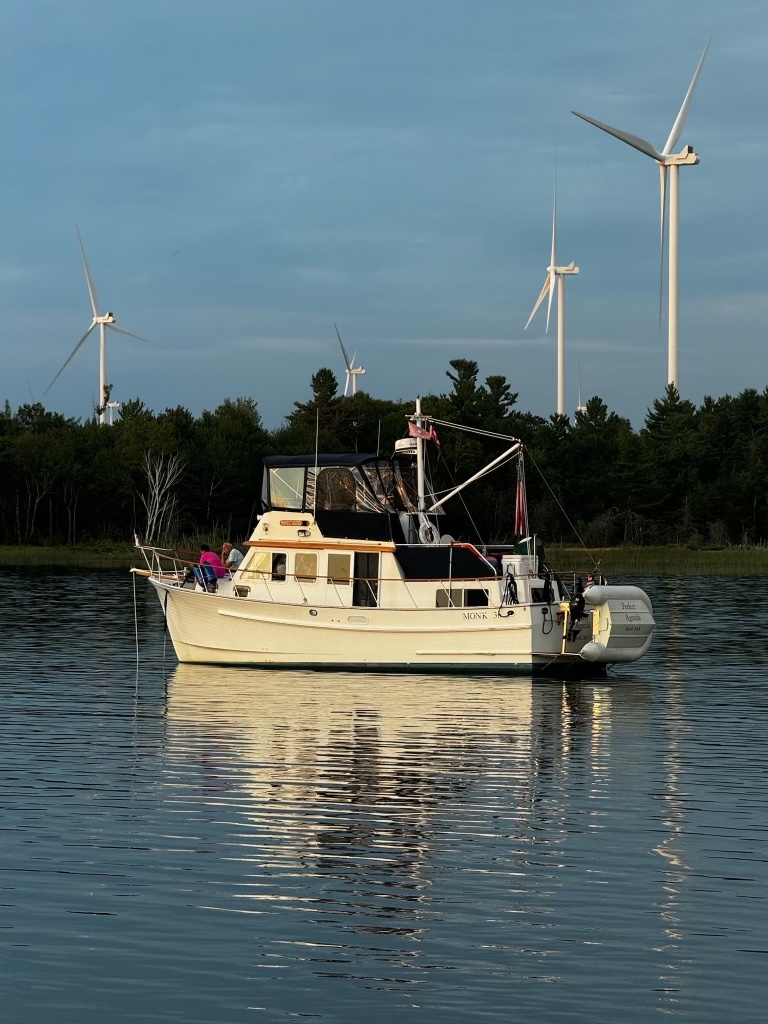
[135, 622]
[557, 502]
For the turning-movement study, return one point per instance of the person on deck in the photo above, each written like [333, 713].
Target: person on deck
[230, 556]
[208, 557]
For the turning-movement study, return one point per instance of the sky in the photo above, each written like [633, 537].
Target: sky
[247, 173]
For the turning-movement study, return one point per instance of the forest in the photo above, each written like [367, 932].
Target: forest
[693, 476]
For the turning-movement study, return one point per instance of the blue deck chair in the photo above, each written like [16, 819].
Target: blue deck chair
[206, 577]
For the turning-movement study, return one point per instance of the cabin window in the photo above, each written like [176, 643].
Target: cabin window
[338, 568]
[335, 489]
[471, 597]
[279, 566]
[365, 592]
[242, 591]
[381, 478]
[259, 567]
[286, 487]
[305, 568]
[406, 496]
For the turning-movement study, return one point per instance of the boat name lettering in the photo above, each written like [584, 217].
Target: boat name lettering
[475, 615]
[293, 522]
[628, 606]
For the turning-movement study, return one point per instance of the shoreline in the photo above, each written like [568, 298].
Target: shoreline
[652, 561]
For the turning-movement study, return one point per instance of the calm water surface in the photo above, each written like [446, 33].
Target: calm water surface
[188, 844]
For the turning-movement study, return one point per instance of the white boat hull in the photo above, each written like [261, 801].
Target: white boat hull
[215, 629]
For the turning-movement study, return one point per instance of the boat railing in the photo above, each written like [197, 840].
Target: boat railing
[575, 582]
[164, 563]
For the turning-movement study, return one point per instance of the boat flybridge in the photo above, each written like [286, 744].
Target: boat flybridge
[348, 568]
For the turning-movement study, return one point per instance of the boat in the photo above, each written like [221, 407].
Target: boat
[350, 567]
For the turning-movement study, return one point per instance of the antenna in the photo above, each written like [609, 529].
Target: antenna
[317, 444]
[580, 407]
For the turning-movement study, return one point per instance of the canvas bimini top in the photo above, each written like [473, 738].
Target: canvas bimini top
[346, 482]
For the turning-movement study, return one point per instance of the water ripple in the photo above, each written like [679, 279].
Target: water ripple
[198, 844]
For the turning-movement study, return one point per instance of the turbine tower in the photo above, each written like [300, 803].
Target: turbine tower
[103, 322]
[559, 273]
[352, 370]
[669, 164]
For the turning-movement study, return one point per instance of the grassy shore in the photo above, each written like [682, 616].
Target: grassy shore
[626, 561]
[662, 561]
[99, 555]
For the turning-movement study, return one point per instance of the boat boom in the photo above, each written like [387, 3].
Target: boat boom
[480, 473]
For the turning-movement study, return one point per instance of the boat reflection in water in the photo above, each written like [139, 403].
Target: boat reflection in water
[399, 825]
[356, 771]
[377, 780]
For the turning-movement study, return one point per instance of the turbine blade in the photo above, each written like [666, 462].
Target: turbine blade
[69, 360]
[540, 299]
[346, 383]
[122, 330]
[677, 127]
[663, 189]
[88, 277]
[631, 140]
[551, 294]
[343, 350]
[553, 252]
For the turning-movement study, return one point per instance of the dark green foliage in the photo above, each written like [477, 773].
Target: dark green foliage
[692, 476]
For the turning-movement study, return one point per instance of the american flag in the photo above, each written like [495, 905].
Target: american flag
[521, 503]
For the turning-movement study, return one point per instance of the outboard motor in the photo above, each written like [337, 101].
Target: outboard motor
[576, 607]
[575, 610]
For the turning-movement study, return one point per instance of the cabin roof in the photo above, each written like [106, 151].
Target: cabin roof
[339, 459]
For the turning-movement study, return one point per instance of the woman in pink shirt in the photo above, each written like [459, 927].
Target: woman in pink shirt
[208, 557]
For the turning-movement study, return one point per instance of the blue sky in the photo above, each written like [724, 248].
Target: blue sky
[247, 173]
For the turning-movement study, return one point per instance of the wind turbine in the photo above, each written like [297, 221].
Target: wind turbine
[556, 273]
[352, 370]
[103, 322]
[669, 164]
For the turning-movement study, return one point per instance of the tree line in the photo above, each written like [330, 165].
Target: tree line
[691, 475]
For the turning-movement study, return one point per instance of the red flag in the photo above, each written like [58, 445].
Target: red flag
[428, 435]
[521, 503]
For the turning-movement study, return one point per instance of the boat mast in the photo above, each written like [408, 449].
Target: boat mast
[419, 457]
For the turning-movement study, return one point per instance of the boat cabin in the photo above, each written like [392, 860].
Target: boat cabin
[344, 530]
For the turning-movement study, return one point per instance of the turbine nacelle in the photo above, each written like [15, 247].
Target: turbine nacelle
[685, 158]
[570, 269]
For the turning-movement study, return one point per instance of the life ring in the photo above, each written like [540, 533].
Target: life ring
[428, 532]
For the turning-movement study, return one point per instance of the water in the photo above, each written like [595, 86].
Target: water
[206, 845]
